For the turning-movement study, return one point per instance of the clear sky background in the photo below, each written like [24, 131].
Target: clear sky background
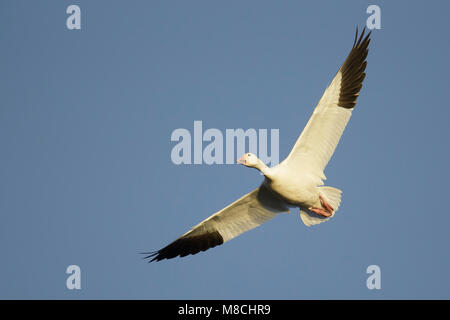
[86, 176]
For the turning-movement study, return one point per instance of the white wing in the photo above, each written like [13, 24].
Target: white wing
[247, 213]
[319, 138]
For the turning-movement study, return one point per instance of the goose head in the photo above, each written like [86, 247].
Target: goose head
[249, 160]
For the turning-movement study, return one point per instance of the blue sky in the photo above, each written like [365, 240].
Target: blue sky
[85, 171]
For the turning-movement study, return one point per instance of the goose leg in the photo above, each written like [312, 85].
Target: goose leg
[326, 205]
[319, 211]
[326, 211]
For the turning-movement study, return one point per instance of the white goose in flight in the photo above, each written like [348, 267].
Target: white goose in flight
[295, 182]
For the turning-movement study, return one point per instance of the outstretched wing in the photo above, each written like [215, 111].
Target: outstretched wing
[319, 138]
[247, 213]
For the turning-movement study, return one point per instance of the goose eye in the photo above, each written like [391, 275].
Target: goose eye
[248, 155]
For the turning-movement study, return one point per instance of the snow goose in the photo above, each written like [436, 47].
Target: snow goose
[295, 182]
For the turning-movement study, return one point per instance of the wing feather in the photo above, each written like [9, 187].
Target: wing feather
[246, 213]
[322, 133]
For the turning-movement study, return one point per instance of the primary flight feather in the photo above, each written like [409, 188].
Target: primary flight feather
[298, 180]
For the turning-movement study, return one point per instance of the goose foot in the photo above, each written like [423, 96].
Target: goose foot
[326, 205]
[326, 211]
[319, 211]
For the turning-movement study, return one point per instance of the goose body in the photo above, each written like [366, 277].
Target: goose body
[298, 181]
[294, 189]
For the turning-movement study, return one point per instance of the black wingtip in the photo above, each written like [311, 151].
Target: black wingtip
[186, 245]
[361, 39]
[353, 70]
[151, 256]
[356, 36]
